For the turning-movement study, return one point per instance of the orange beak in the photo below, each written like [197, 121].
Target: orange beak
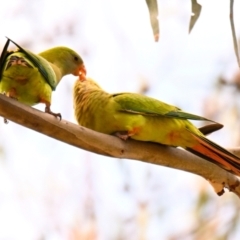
[82, 73]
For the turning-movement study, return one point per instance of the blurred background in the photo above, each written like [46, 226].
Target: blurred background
[53, 191]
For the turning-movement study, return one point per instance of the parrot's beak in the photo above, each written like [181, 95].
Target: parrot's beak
[82, 73]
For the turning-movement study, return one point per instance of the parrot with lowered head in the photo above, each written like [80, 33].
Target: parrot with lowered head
[30, 78]
[132, 115]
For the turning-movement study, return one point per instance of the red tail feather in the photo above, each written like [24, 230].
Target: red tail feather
[216, 154]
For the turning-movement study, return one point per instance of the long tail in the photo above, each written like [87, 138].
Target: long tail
[216, 154]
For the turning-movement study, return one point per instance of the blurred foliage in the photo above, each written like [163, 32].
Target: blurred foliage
[212, 220]
[223, 105]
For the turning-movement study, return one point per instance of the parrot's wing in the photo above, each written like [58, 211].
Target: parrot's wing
[5, 53]
[42, 64]
[140, 104]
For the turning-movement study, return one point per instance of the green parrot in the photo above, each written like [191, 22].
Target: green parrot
[30, 78]
[132, 115]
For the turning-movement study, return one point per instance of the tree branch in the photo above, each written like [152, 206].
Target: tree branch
[113, 147]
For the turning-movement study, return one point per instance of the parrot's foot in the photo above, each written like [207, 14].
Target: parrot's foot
[124, 135]
[48, 110]
[5, 121]
[12, 93]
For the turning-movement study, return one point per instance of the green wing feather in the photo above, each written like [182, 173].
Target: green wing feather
[43, 66]
[140, 104]
[5, 53]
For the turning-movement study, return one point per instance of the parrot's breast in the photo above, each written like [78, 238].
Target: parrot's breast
[28, 84]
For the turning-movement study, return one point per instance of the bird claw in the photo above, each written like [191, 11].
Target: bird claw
[122, 135]
[5, 121]
[57, 115]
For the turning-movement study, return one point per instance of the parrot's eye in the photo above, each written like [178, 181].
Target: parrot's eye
[76, 58]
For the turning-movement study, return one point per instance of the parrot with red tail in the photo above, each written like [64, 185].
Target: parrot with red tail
[131, 115]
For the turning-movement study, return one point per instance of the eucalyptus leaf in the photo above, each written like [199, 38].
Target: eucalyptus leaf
[196, 10]
[153, 12]
[235, 43]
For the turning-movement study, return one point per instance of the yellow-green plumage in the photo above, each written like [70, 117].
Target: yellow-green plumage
[145, 119]
[30, 78]
[27, 81]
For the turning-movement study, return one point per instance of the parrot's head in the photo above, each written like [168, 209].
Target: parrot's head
[66, 59]
[73, 63]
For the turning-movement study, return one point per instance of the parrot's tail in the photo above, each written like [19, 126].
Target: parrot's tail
[216, 154]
